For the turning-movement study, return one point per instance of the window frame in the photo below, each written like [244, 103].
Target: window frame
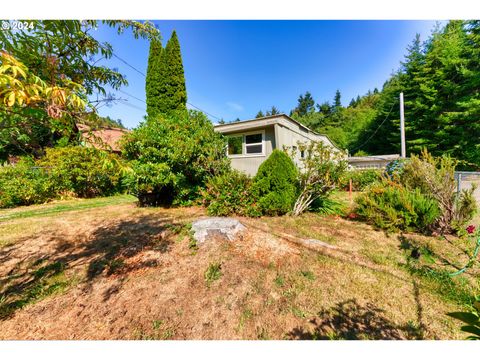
[244, 144]
[241, 149]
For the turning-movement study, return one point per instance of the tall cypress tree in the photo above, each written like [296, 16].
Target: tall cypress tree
[154, 77]
[173, 91]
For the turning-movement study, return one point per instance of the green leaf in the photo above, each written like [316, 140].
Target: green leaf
[471, 329]
[466, 317]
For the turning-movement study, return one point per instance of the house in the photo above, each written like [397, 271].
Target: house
[105, 138]
[250, 142]
[371, 162]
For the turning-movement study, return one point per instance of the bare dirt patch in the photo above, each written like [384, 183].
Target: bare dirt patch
[121, 272]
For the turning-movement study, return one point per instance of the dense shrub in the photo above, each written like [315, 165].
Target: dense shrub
[24, 184]
[230, 193]
[391, 206]
[360, 178]
[435, 178]
[276, 184]
[414, 186]
[320, 171]
[82, 171]
[187, 146]
[154, 184]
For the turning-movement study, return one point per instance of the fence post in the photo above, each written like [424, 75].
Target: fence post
[459, 184]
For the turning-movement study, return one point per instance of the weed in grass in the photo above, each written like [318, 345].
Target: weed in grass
[156, 324]
[262, 334]
[246, 315]
[213, 273]
[167, 334]
[378, 259]
[114, 266]
[298, 312]
[192, 244]
[158, 332]
[279, 280]
[307, 274]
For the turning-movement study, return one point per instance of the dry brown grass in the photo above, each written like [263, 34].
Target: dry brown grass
[123, 272]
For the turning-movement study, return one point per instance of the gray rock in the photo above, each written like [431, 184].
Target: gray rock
[228, 228]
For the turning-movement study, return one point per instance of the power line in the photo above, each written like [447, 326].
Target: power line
[132, 96]
[141, 73]
[126, 63]
[125, 102]
[196, 107]
[379, 126]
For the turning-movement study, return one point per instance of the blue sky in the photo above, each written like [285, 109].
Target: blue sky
[235, 68]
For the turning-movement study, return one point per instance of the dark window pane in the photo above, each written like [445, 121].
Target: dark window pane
[235, 145]
[254, 149]
[253, 139]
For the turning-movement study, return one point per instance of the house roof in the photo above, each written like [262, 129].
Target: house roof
[265, 121]
[253, 122]
[106, 138]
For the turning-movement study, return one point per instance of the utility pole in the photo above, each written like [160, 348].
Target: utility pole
[402, 128]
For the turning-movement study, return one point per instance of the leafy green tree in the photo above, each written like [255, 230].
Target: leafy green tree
[172, 155]
[64, 56]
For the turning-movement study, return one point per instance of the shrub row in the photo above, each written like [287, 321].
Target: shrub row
[72, 171]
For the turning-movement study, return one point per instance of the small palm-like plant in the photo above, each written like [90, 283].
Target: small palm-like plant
[471, 319]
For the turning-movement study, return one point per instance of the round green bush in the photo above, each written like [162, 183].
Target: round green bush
[24, 184]
[230, 193]
[276, 184]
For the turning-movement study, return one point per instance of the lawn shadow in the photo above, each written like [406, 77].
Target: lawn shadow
[103, 251]
[348, 320]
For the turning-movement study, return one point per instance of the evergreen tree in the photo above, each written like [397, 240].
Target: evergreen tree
[260, 114]
[337, 104]
[305, 104]
[173, 93]
[325, 108]
[272, 111]
[154, 77]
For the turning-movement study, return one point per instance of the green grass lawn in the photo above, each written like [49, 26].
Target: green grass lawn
[64, 206]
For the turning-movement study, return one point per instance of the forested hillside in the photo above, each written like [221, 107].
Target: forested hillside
[440, 79]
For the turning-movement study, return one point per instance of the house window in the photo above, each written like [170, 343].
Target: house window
[235, 145]
[302, 154]
[249, 144]
[254, 144]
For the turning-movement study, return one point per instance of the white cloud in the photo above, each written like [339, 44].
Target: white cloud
[234, 106]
